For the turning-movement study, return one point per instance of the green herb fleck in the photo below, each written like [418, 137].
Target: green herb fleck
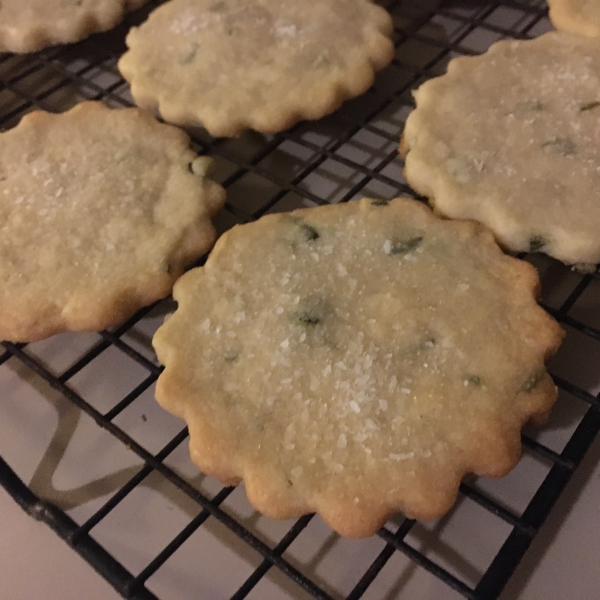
[380, 202]
[474, 380]
[562, 146]
[166, 267]
[307, 317]
[189, 54]
[536, 243]
[589, 106]
[231, 355]
[533, 380]
[406, 246]
[309, 232]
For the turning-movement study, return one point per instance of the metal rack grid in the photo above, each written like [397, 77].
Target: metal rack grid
[350, 154]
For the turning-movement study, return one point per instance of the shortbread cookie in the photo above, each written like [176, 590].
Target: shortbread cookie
[229, 65]
[375, 356]
[577, 16]
[30, 25]
[511, 138]
[100, 211]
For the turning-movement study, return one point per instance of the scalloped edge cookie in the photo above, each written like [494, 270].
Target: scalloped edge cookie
[232, 65]
[377, 356]
[31, 25]
[101, 211]
[511, 138]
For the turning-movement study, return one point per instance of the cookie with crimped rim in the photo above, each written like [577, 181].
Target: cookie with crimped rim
[511, 138]
[230, 65]
[577, 16]
[100, 211]
[30, 25]
[376, 356]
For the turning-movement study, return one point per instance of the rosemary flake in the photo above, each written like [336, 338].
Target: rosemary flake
[406, 246]
[232, 355]
[562, 146]
[307, 317]
[474, 380]
[309, 232]
[536, 243]
[532, 381]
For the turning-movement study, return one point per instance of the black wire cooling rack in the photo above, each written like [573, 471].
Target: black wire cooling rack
[349, 154]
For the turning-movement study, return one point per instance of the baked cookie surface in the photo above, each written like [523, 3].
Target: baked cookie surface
[30, 25]
[577, 16]
[511, 138]
[99, 214]
[356, 360]
[230, 65]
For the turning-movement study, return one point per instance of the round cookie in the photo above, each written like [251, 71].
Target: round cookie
[511, 138]
[30, 25]
[100, 211]
[577, 16]
[377, 356]
[229, 65]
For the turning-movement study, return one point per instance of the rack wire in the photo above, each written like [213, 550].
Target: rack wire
[347, 155]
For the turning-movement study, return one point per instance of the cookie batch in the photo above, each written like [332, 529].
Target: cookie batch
[383, 351]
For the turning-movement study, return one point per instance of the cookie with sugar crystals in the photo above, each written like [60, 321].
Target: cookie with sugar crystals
[230, 65]
[577, 16]
[30, 25]
[100, 211]
[511, 138]
[377, 356]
